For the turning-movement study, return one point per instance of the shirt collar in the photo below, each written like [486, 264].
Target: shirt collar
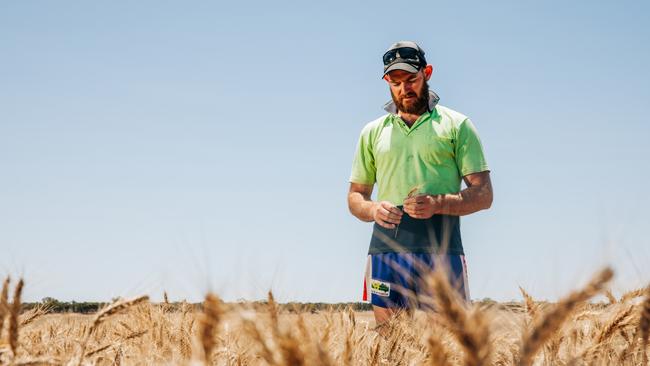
[433, 101]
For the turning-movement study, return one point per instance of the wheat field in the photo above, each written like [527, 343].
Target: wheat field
[573, 331]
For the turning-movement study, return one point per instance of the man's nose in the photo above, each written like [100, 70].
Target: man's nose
[406, 88]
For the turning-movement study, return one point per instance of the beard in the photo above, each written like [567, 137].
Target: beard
[420, 105]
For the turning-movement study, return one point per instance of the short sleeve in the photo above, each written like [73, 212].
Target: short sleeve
[363, 166]
[469, 151]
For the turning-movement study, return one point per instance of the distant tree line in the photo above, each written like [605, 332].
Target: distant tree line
[55, 306]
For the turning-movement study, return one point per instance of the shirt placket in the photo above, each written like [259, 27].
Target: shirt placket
[407, 131]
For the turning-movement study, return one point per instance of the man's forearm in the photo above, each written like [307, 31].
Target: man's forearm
[361, 206]
[465, 202]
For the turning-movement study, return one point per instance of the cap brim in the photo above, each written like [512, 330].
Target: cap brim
[401, 66]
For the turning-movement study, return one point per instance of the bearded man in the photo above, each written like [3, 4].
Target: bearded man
[417, 154]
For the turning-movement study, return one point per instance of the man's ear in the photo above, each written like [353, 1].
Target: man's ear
[428, 70]
[386, 77]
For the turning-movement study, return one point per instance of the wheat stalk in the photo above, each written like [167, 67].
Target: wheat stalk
[437, 353]
[101, 316]
[4, 305]
[469, 330]
[348, 352]
[614, 324]
[113, 344]
[411, 193]
[633, 294]
[610, 297]
[606, 332]
[34, 314]
[531, 307]
[374, 351]
[548, 324]
[183, 345]
[14, 313]
[644, 324]
[252, 329]
[273, 313]
[212, 313]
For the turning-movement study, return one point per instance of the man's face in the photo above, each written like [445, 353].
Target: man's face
[410, 92]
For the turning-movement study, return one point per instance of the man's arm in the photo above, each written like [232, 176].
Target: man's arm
[383, 213]
[477, 196]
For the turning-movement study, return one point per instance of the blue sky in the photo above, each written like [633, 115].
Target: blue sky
[194, 146]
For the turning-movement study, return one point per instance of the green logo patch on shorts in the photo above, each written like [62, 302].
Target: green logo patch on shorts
[379, 288]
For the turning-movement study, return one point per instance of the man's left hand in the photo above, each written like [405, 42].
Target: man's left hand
[422, 206]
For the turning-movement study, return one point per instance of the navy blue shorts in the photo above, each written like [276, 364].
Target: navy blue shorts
[394, 280]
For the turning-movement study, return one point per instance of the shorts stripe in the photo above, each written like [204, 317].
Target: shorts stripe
[366, 279]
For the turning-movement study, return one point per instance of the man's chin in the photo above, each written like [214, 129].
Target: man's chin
[410, 107]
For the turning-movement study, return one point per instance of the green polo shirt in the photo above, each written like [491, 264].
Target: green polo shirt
[435, 153]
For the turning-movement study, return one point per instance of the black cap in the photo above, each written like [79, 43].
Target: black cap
[404, 55]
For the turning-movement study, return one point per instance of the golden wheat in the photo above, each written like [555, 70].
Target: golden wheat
[570, 332]
[4, 305]
[550, 322]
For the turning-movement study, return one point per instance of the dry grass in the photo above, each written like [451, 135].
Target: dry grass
[137, 332]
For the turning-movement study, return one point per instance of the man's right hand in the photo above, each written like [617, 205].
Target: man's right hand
[386, 214]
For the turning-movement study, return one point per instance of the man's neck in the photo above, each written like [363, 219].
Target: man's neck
[409, 118]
